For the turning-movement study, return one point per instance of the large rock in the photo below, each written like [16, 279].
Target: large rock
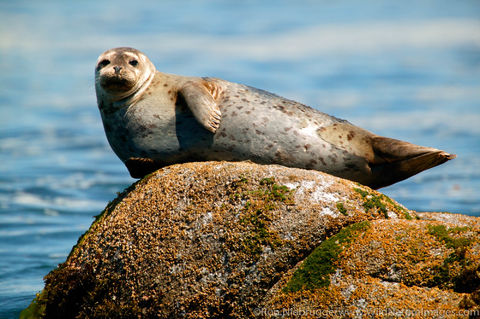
[240, 240]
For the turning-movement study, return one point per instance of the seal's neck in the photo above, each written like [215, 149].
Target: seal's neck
[133, 97]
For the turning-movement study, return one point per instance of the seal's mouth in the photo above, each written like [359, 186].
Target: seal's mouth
[115, 83]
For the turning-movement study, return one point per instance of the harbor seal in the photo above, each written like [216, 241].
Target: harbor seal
[153, 119]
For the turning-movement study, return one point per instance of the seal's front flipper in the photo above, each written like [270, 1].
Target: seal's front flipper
[202, 104]
[139, 167]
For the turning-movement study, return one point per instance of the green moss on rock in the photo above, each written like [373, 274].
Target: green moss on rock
[399, 208]
[341, 208]
[446, 274]
[316, 269]
[372, 201]
[443, 234]
[380, 202]
[36, 309]
[256, 214]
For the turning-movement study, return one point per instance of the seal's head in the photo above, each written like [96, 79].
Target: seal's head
[122, 72]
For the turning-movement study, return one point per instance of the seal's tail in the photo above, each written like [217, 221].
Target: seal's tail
[397, 160]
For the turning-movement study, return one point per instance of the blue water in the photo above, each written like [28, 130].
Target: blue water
[404, 69]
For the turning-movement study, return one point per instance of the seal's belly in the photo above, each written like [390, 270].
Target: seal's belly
[141, 132]
[166, 133]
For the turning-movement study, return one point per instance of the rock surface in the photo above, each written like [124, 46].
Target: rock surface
[388, 268]
[241, 240]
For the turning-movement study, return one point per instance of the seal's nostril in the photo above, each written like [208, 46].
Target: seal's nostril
[117, 68]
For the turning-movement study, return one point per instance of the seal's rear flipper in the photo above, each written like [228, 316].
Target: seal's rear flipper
[397, 160]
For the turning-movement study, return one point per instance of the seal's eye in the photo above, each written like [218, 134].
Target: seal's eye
[103, 63]
[133, 62]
